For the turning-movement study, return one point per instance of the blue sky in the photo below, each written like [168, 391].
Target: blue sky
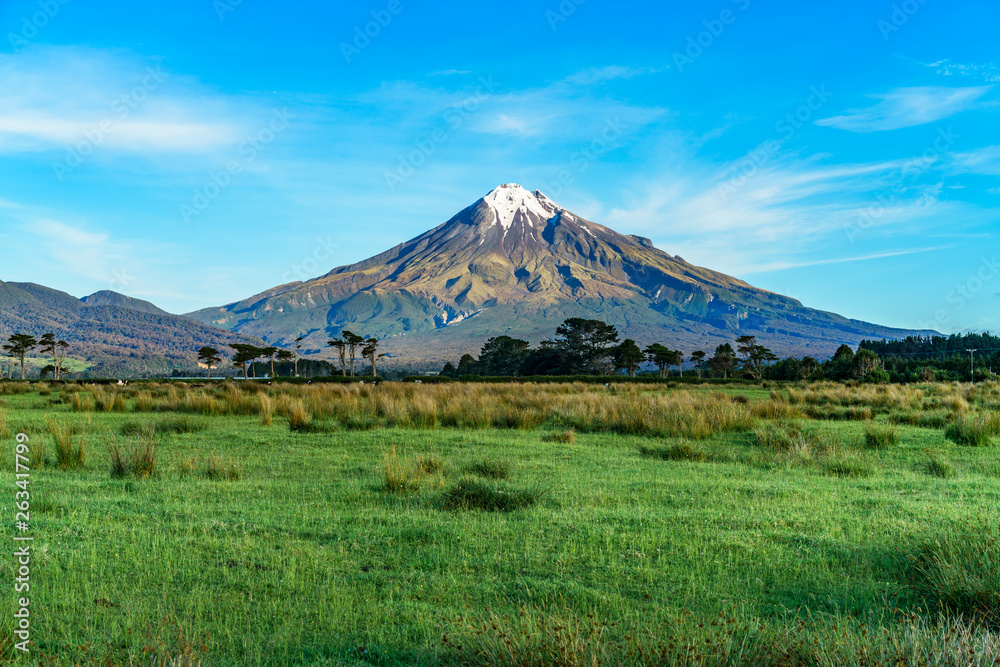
[846, 154]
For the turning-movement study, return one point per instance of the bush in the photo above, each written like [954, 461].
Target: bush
[880, 436]
[973, 430]
[473, 494]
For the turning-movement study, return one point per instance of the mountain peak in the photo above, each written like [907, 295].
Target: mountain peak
[510, 198]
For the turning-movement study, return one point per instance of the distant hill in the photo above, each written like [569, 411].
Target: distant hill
[114, 334]
[516, 263]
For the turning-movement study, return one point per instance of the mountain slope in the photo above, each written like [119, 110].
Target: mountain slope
[117, 335]
[514, 262]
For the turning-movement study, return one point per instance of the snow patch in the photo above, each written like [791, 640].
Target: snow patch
[510, 198]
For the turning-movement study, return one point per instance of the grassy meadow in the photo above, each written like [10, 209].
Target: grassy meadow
[419, 524]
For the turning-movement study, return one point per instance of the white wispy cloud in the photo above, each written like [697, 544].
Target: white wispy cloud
[596, 75]
[908, 107]
[984, 161]
[986, 72]
[57, 97]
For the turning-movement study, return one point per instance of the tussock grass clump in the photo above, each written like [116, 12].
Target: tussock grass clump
[431, 464]
[680, 451]
[70, 452]
[143, 402]
[535, 637]
[170, 425]
[266, 409]
[880, 436]
[109, 401]
[4, 429]
[11, 388]
[960, 571]
[298, 417]
[566, 437]
[848, 465]
[400, 475]
[36, 451]
[474, 494]
[223, 468]
[138, 459]
[937, 466]
[81, 402]
[974, 430]
[188, 465]
[492, 468]
[923, 418]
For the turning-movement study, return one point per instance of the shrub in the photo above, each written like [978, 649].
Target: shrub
[493, 468]
[473, 494]
[69, 454]
[973, 430]
[880, 436]
[566, 437]
[227, 468]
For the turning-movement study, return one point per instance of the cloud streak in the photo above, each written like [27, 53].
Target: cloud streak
[908, 107]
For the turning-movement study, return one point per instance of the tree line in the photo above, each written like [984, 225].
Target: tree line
[592, 347]
[349, 346]
[19, 345]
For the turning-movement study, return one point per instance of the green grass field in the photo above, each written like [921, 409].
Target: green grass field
[774, 539]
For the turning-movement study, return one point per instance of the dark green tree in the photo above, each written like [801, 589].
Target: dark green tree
[467, 365]
[724, 361]
[288, 355]
[341, 346]
[353, 340]
[584, 345]
[245, 354]
[449, 370]
[268, 353]
[18, 346]
[628, 356]
[502, 355]
[210, 357]
[698, 359]
[370, 352]
[660, 356]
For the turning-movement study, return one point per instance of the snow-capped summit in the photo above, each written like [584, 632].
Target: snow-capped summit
[506, 200]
